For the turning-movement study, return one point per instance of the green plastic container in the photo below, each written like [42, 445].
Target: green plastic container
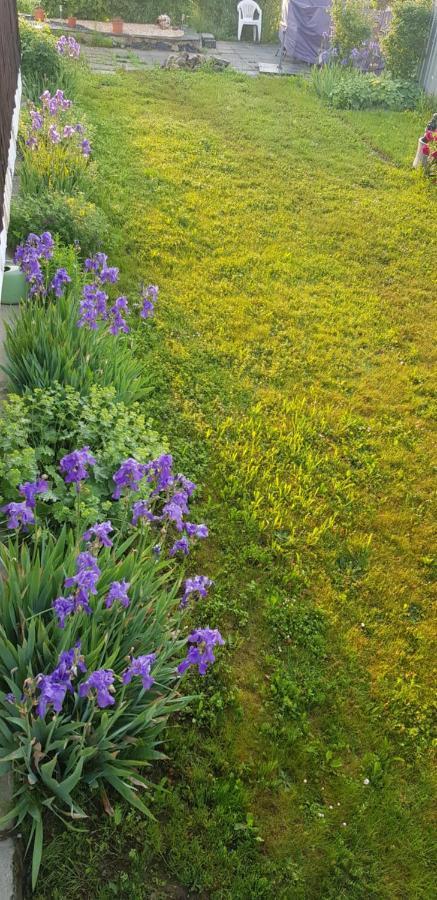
[14, 286]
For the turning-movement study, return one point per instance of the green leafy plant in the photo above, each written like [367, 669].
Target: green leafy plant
[39, 428]
[41, 65]
[87, 743]
[44, 345]
[68, 218]
[405, 43]
[351, 25]
[362, 90]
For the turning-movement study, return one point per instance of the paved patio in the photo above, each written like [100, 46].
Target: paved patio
[243, 56]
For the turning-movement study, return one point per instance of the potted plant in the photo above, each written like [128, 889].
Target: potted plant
[117, 25]
[39, 14]
[71, 20]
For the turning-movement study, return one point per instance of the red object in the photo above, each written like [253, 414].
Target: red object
[117, 26]
[425, 150]
[434, 154]
[39, 14]
[71, 21]
[429, 135]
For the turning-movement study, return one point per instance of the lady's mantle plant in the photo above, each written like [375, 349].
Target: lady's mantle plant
[91, 642]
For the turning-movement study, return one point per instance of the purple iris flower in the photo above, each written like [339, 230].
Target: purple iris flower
[74, 465]
[196, 531]
[198, 584]
[101, 681]
[68, 131]
[201, 655]
[37, 119]
[140, 510]
[180, 546]
[149, 297]
[99, 533]
[141, 666]
[63, 607]
[85, 579]
[54, 135]
[30, 489]
[85, 147]
[160, 471]
[118, 591]
[128, 476]
[118, 321]
[108, 274]
[54, 687]
[20, 515]
[60, 279]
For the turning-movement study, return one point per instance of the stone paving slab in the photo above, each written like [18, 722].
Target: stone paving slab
[242, 56]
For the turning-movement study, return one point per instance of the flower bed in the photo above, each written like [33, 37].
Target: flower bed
[92, 639]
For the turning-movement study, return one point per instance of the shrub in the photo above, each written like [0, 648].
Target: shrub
[42, 67]
[40, 62]
[39, 428]
[351, 26]
[357, 90]
[405, 43]
[69, 218]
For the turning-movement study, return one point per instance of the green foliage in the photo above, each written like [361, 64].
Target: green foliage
[44, 345]
[54, 168]
[69, 219]
[52, 756]
[41, 426]
[405, 44]
[351, 25]
[41, 64]
[346, 89]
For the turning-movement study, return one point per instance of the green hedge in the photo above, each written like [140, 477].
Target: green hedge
[405, 44]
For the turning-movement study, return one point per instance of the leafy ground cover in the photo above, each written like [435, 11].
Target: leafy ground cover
[292, 356]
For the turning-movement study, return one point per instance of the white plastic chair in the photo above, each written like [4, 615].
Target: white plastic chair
[246, 16]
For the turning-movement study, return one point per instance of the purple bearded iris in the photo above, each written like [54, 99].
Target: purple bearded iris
[118, 321]
[101, 681]
[84, 583]
[149, 296]
[20, 515]
[118, 591]
[198, 584]
[140, 666]
[202, 655]
[128, 476]
[30, 489]
[182, 545]
[60, 279]
[99, 534]
[74, 465]
[29, 255]
[54, 687]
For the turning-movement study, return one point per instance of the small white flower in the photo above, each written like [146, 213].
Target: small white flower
[366, 781]
[343, 824]
[305, 780]
[321, 815]
[330, 806]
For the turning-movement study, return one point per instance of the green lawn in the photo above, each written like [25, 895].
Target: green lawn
[295, 253]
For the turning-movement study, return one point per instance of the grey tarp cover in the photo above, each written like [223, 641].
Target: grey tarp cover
[302, 25]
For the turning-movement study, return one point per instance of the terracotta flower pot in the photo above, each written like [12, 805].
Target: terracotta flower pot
[72, 21]
[39, 14]
[117, 26]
